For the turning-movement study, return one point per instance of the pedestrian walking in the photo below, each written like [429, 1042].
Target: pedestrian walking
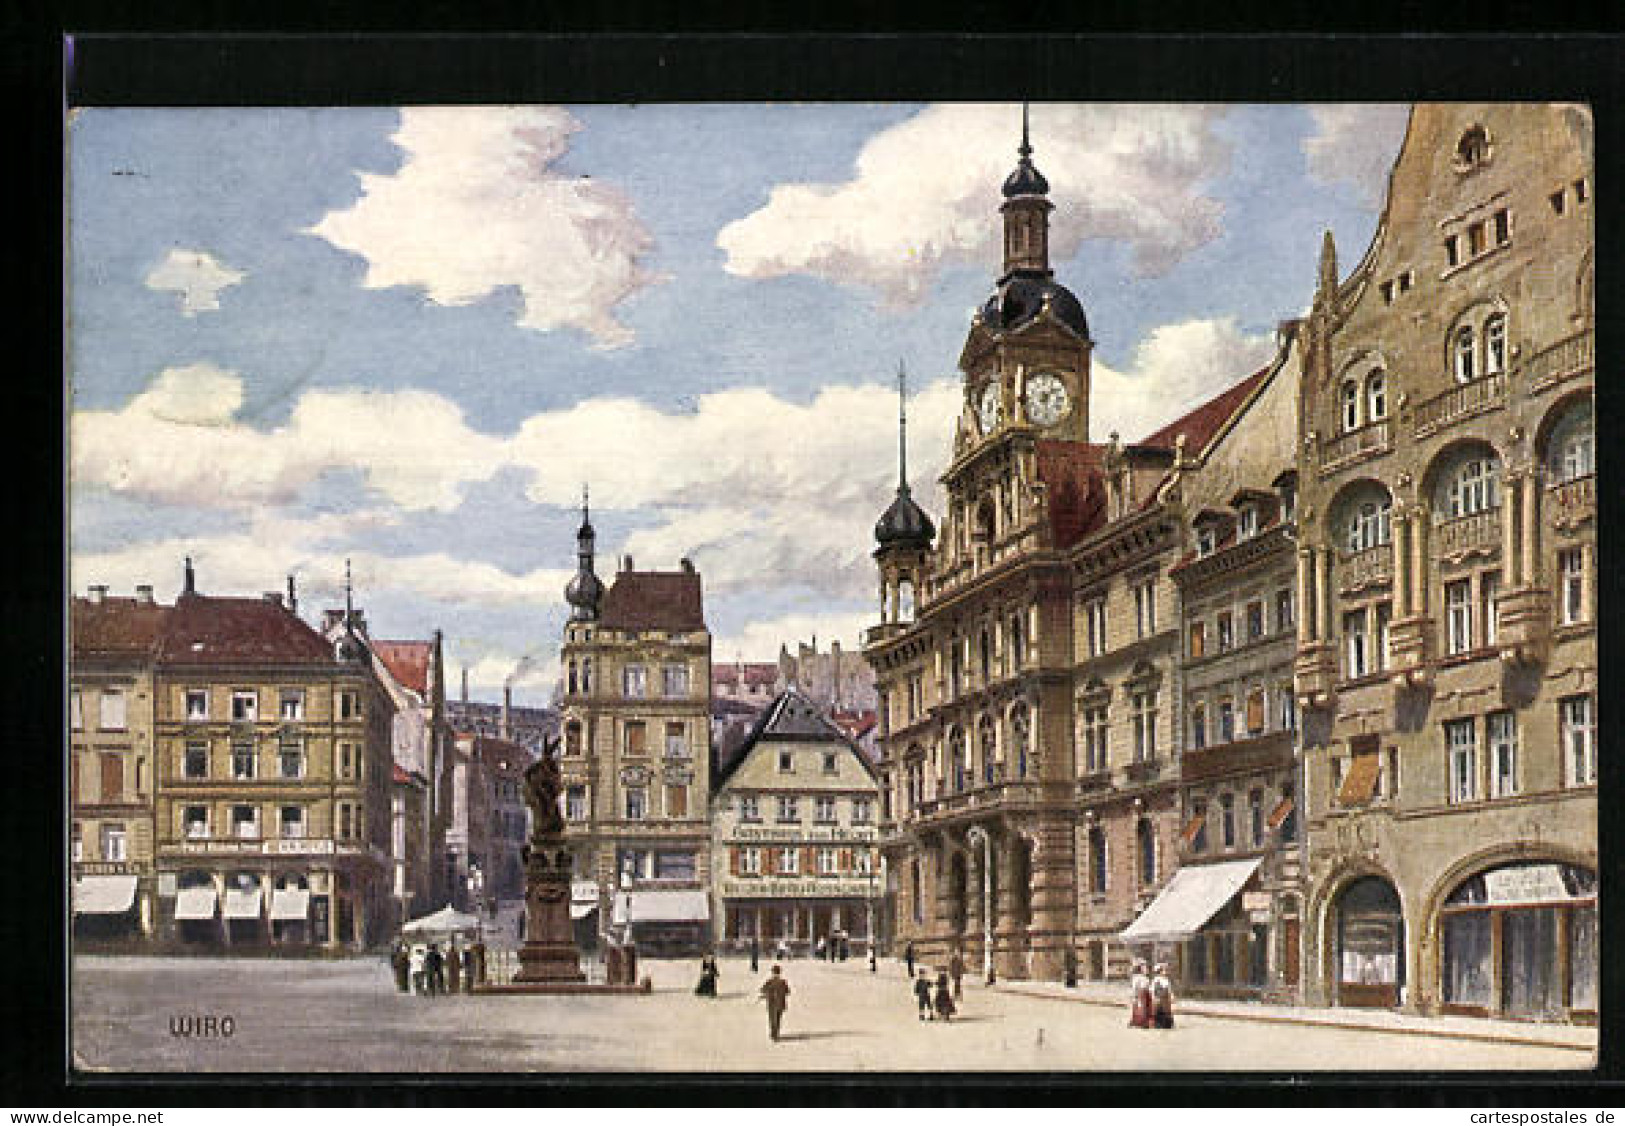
[708, 977]
[818, 950]
[434, 964]
[874, 966]
[400, 961]
[944, 998]
[1139, 997]
[776, 992]
[477, 952]
[454, 968]
[908, 958]
[755, 955]
[1162, 998]
[956, 971]
[418, 960]
[922, 994]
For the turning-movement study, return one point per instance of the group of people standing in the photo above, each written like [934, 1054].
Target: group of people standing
[1151, 997]
[426, 971]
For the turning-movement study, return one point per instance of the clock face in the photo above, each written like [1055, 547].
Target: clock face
[989, 408]
[1047, 400]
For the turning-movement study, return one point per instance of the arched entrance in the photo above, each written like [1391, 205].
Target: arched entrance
[1520, 940]
[1370, 949]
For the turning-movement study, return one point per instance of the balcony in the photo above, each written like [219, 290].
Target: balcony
[1145, 771]
[1315, 672]
[1366, 568]
[1463, 401]
[1345, 449]
[1465, 535]
[1562, 361]
[1572, 502]
[885, 631]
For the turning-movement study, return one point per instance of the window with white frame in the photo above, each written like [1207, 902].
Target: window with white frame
[114, 842]
[789, 861]
[1579, 725]
[1145, 607]
[637, 803]
[788, 809]
[1283, 610]
[1369, 524]
[1466, 353]
[292, 705]
[826, 862]
[291, 756]
[1286, 707]
[1472, 488]
[1226, 631]
[245, 706]
[1356, 645]
[1501, 731]
[750, 860]
[750, 807]
[1571, 450]
[575, 803]
[831, 763]
[1144, 723]
[863, 811]
[1495, 343]
[674, 680]
[112, 710]
[242, 759]
[824, 810]
[291, 820]
[1094, 739]
[634, 681]
[1458, 613]
[195, 822]
[1382, 654]
[349, 705]
[1207, 541]
[1461, 741]
[1489, 594]
[1571, 583]
[1376, 396]
[1351, 405]
[676, 740]
[1095, 622]
[245, 821]
[862, 862]
[197, 704]
[1247, 523]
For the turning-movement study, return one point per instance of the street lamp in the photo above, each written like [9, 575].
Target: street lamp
[979, 838]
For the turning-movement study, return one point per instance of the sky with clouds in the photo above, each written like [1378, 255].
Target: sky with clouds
[407, 337]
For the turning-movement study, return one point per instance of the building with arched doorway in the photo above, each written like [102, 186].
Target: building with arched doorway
[1447, 651]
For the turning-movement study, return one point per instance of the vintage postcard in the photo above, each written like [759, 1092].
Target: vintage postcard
[854, 587]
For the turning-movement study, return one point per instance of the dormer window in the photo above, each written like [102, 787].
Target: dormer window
[1248, 525]
[1207, 541]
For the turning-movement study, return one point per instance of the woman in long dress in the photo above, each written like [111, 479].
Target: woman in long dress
[708, 978]
[1139, 986]
[1162, 998]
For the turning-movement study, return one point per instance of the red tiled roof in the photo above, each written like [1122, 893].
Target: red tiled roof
[1200, 424]
[122, 626]
[407, 662]
[669, 600]
[754, 673]
[204, 630]
[1077, 496]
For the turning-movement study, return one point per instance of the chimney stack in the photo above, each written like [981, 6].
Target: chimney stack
[293, 598]
[465, 684]
[143, 593]
[687, 565]
[274, 597]
[507, 705]
[190, 585]
[98, 593]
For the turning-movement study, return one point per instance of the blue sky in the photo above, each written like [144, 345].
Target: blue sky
[407, 337]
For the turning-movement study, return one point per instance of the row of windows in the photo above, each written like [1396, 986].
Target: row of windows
[635, 739]
[1147, 859]
[656, 864]
[749, 861]
[244, 823]
[1254, 625]
[635, 801]
[1229, 834]
[1144, 592]
[244, 705]
[113, 838]
[1480, 237]
[788, 809]
[1218, 722]
[246, 763]
[1249, 522]
[990, 658]
[1095, 728]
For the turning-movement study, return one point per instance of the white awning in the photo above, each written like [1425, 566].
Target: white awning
[289, 903]
[103, 895]
[1191, 898]
[665, 906]
[446, 921]
[242, 903]
[195, 903]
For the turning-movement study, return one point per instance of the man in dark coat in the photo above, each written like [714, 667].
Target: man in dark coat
[400, 961]
[755, 954]
[956, 970]
[434, 968]
[922, 995]
[476, 954]
[454, 968]
[908, 958]
[776, 992]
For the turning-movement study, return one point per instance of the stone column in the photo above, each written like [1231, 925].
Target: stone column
[1308, 599]
[1054, 899]
[1402, 567]
[1531, 528]
[1511, 564]
[1419, 561]
[1328, 609]
[1010, 931]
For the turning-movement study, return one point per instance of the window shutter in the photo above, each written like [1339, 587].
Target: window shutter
[809, 860]
[1255, 711]
[73, 762]
[733, 861]
[846, 860]
[112, 778]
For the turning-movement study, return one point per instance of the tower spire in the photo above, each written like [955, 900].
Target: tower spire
[902, 428]
[349, 604]
[1026, 150]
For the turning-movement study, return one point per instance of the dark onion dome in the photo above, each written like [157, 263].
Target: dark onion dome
[584, 593]
[1025, 180]
[905, 524]
[1019, 297]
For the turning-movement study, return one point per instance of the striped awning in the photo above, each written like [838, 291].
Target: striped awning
[195, 903]
[103, 895]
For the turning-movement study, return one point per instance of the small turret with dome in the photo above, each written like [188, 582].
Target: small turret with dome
[905, 523]
[585, 591]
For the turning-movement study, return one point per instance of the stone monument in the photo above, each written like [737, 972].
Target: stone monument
[549, 953]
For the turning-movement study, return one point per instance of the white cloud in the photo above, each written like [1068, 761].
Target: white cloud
[197, 276]
[1356, 143]
[1175, 369]
[476, 207]
[181, 441]
[760, 641]
[924, 195]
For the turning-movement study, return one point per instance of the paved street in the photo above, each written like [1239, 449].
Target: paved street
[346, 1016]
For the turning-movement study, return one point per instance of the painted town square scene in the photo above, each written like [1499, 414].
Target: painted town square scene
[833, 587]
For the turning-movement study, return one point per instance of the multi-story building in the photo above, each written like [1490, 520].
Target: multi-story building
[794, 822]
[755, 684]
[636, 747]
[409, 821]
[111, 755]
[468, 832]
[531, 727]
[273, 774]
[1230, 920]
[505, 762]
[835, 680]
[1447, 665]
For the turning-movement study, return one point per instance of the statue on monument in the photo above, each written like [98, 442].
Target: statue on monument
[543, 784]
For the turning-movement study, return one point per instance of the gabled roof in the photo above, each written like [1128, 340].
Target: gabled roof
[668, 600]
[407, 662]
[760, 672]
[790, 718]
[1203, 422]
[202, 630]
[115, 627]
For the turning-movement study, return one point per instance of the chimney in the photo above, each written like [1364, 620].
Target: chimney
[465, 684]
[190, 585]
[687, 565]
[98, 593]
[507, 705]
[274, 597]
[143, 593]
[293, 598]
[626, 562]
